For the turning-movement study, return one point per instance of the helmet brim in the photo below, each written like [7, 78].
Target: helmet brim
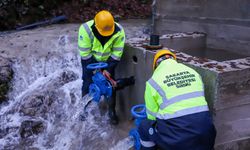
[106, 33]
[160, 54]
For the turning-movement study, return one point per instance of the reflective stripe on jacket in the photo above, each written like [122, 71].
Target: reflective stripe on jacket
[174, 90]
[89, 45]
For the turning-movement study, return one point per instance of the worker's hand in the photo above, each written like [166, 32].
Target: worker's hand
[106, 73]
[108, 76]
[114, 84]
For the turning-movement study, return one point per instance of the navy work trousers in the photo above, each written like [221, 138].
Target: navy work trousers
[190, 132]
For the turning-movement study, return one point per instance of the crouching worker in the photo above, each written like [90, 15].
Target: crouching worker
[178, 117]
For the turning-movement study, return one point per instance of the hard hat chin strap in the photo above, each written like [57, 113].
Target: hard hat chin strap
[164, 57]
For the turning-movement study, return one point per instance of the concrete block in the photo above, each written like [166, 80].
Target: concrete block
[238, 144]
[227, 91]
[184, 41]
[226, 22]
[220, 36]
[233, 135]
[210, 81]
[211, 8]
[137, 62]
[233, 83]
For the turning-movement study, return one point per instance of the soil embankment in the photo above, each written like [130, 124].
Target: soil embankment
[15, 13]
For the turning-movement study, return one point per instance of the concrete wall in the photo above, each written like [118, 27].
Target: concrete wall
[142, 70]
[227, 91]
[137, 62]
[232, 116]
[184, 42]
[226, 22]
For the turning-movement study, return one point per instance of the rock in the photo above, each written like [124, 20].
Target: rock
[6, 74]
[38, 107]
[65, 77]
[37, 104]
[40, 102]
[30, 127]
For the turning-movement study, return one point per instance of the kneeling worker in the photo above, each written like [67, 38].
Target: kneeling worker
[178, 117]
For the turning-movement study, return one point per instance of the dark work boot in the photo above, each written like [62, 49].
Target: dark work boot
[111, 111]
[113, 117]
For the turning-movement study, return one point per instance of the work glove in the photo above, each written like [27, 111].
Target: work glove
[106, 73]
[108, 76]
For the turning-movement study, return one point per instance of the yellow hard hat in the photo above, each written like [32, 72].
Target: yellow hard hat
[160, 53]
[104, 23]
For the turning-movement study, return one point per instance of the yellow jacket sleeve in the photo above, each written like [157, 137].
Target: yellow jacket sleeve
[84, 43]
[118, 46]
[151, 104]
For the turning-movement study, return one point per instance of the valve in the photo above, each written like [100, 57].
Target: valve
[95, 66]
[139, 113]
[100, 86]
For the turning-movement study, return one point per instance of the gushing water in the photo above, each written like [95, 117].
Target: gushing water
[124, 144]
[45, 105]
[45, 102]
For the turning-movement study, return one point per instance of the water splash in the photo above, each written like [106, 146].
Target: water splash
[46, 103]
[124, 144]
[46, 115]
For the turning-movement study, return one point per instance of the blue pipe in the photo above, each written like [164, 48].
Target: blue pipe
[40, 23]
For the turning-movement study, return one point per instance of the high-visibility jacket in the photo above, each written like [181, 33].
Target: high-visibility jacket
[89, 45]
[173, 91]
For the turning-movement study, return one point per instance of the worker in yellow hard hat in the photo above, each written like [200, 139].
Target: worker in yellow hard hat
[102, 40]
[178, 117]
